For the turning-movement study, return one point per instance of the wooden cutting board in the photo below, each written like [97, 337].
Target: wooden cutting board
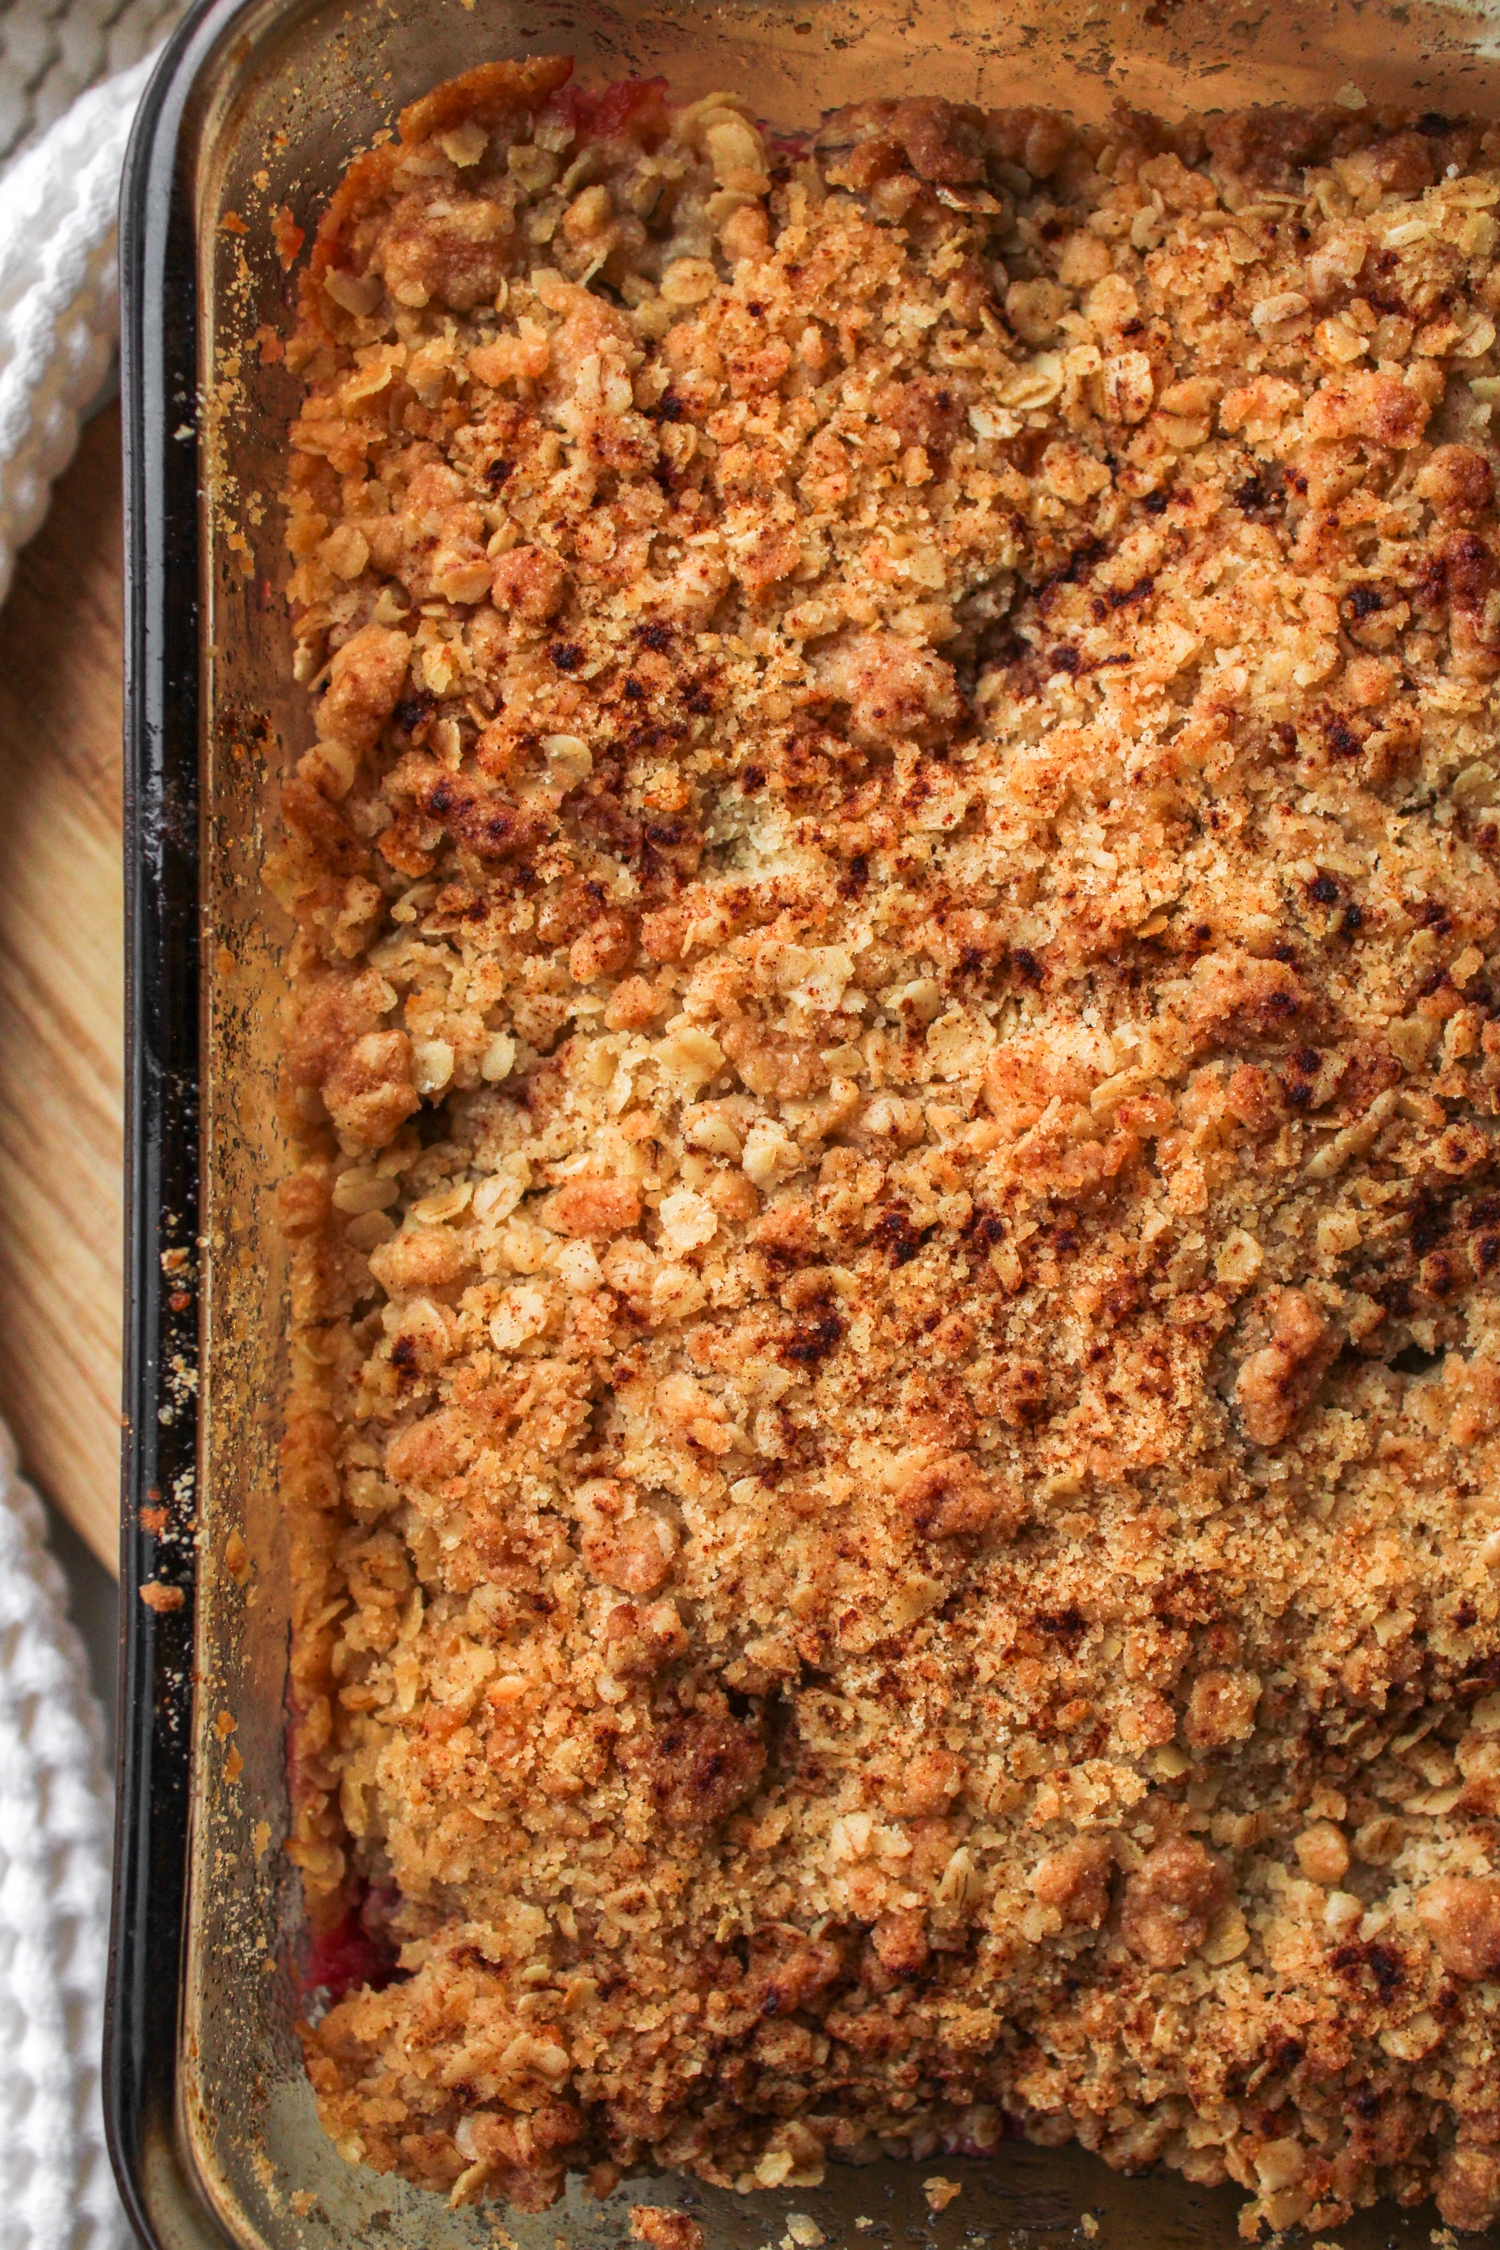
[61, 996]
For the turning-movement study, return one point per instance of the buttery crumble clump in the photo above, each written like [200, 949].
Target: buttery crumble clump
[896, 1356]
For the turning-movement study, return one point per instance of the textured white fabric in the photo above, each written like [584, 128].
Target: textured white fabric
[59, 296]
[57, 2191]
[51, 51]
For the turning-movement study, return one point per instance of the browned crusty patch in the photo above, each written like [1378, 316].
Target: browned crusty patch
[1461, 1914]
[892, 1453]
[1170, 1901]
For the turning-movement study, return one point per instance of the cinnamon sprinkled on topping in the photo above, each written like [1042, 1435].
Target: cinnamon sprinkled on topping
[896, 1367]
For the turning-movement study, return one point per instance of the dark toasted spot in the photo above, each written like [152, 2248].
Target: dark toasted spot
[1065, 1625]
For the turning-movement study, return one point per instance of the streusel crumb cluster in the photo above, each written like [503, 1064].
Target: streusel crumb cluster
[896, 1346]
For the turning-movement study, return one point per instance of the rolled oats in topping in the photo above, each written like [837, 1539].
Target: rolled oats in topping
[896, 1357]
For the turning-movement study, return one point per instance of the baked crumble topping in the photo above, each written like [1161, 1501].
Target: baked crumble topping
[896, 1373]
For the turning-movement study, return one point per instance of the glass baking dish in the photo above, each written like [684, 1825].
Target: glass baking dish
[260, 103]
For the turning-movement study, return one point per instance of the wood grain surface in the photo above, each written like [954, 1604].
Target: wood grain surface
[61, 996]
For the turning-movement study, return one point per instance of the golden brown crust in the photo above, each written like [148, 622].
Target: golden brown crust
[896, 1372]
[491, 96]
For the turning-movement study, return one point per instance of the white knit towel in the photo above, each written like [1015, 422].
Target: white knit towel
[57, 2191]
[51, 51]
[59, 296]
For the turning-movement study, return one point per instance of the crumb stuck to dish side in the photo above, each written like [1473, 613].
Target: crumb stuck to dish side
[896, 1374]
[665, 2230]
